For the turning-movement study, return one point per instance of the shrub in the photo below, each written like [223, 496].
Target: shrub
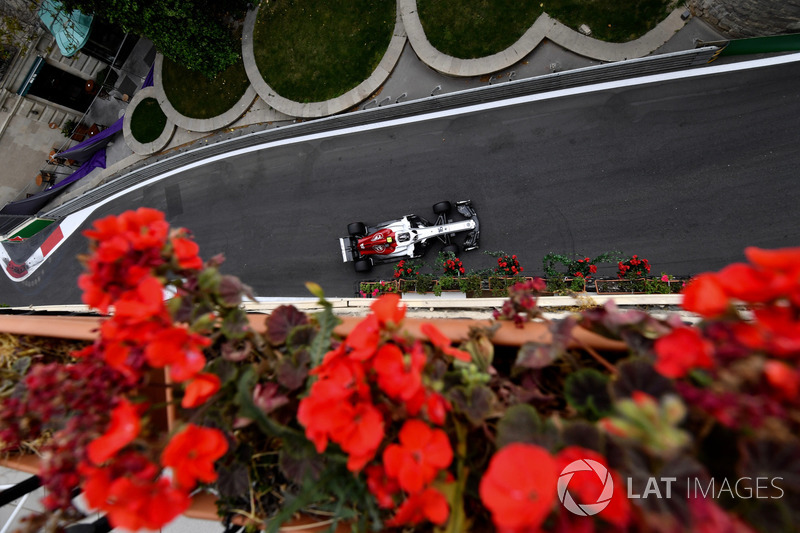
[148, 121]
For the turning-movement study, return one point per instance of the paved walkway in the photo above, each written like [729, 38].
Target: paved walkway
[543, 28]
[408, 27]
[411, 69]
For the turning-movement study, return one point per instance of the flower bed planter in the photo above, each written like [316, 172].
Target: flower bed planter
[373, 289]
[657, 286]
[77, 328]
[617, 286]
[27, 463]
[448, 284]
[561, 286]
[204, 507]
[406, 285]
[498, 286]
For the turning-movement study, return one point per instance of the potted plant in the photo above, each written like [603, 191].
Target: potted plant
[449, 265]
[405, 272]
[565, 286]
[471, 285]
[507, 272]
[373, 289]
[665, 284]
[516, 423]
[75, 130]
[631, 277]
[574, 271]
[425, 283]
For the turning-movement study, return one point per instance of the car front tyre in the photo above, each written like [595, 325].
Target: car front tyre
[442, 208]
[451, 248]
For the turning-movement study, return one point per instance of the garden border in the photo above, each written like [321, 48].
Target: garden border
[153, 146]
[354, 96]
[201, 124]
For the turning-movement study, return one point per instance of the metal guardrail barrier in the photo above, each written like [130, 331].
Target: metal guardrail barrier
[9, 222]
[496, 92]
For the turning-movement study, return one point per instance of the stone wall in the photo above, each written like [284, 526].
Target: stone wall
[739, 19]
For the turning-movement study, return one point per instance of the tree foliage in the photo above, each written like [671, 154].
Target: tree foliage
[198, 34]
[18, 22]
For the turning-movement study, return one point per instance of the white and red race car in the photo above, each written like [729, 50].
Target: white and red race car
[409, 236]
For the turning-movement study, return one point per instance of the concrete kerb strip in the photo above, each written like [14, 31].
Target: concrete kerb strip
[153, 146]
[203, 125]
[553, 307]
[604, 51]
[328, 107]
[543, 27]
[659, 305]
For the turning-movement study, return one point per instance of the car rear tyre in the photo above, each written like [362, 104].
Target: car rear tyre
[442, 208]
[356, 228]
[451, 248]
[363, 265]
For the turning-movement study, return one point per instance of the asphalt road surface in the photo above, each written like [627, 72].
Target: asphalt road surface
[685, 173]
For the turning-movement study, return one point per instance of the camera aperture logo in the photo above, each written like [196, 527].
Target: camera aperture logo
[585, 509]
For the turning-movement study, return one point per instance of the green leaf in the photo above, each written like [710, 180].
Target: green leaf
[293, 371]
[584, 434]
[638, 374]
[300, 463]
[282, 321]
[327, 322]
[535, 355]
[315, 289]
[22, 365]
[521, 423]
[235, 324]
[475, 402]
[587, 392]
[248, 409]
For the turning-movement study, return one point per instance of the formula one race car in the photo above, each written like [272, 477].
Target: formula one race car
[409, 236]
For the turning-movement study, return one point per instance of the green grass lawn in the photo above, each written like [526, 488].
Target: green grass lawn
[477, 28]
[314, 51]
[147, 121]
[195, 96]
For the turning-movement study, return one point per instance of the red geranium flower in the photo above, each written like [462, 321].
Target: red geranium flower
[746, 283]
[587, 487]
[784, 379]
[388, 310]
[186, 251]
[519, 487]
[437, 407]
[360, 435]
[382, 486]
[682, 350]
[124, 427]
[135, 504]
[396, 377]
[441, 341]
[144, 301]
[179, 349]
[363, 340]
[706, 296]
[202, 387]
[781, 259]
[778, 327]
[419, 457]
[429, 504]
[191, 454]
